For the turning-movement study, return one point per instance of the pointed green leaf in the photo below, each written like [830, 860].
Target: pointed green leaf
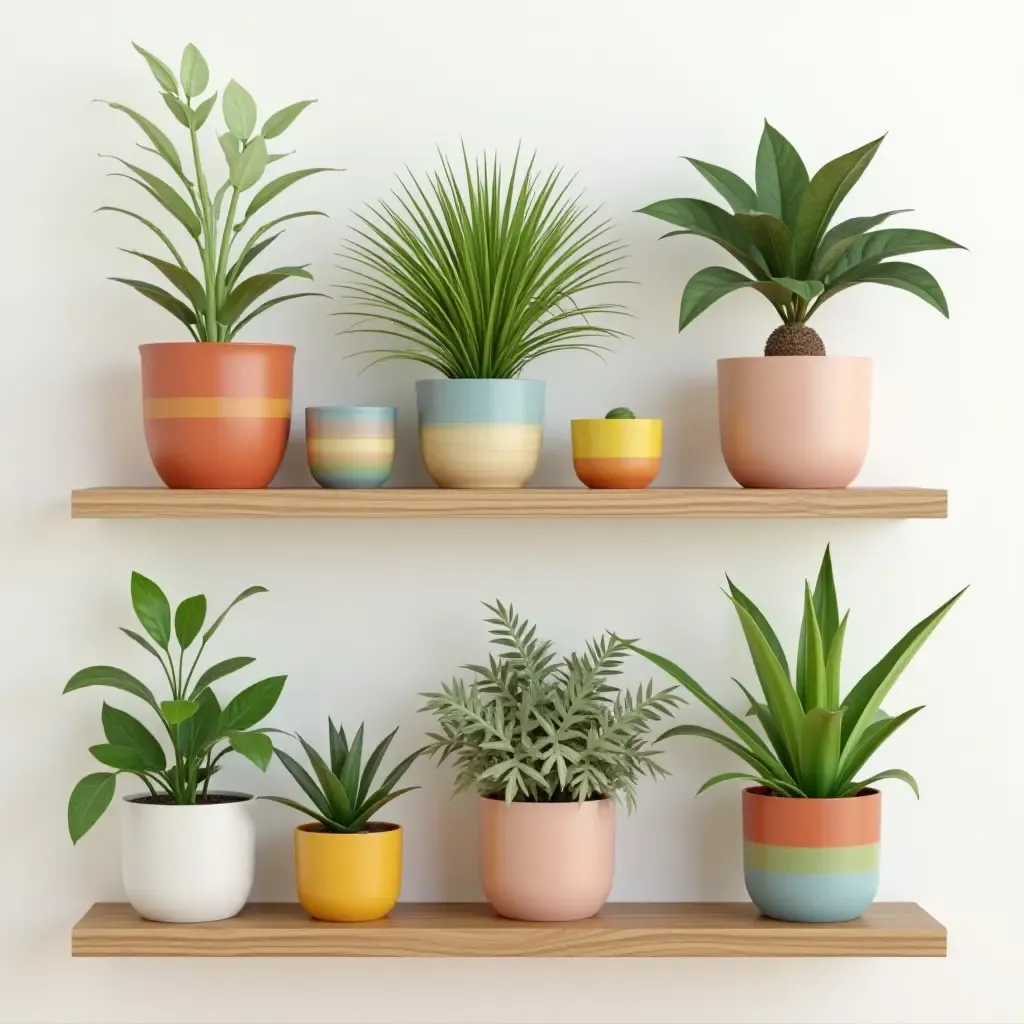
[151, 608]
[185, 282]
[247, 291]
[218, 671]
[884, 244]
[731, 187]
[116, 678]
[188, 620]
[254, 746]
[252, 705]
[202, 112]
[780, 175]
[866, 697]
[367, 812]
[179, 111]
[163, 298]
[773, 238]
[826, 603]
[250, 165]
[161, 72]
[906, 276]
[820, 734]
[338, 747]
[149, 224]
[396, 774]
[263, 307]
[337, 795]
[123, 730]
[762, 623]
[248, 592]
[274, 188]
[839, 238]
[121, 759]
[872, 738]
[89, 799]
[239, 111]
[705, 288]
[812, 688]
[734, 746]
[820, 200]
[373, 763]
[165, 195]
[784, 790]
[806, 290]
[247, 256]
[278, 122]
[760, 711]
[306, 783]
[231, 148]
[892, 773]
[195, 73]
[161, 143]
[199, 732]
[353, 766]
[833, 666]
[177, 711]
[331, 826]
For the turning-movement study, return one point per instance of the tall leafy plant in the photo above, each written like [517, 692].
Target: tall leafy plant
[533, 727]
[478, 274]
[343, 794]
[199, 730]
[814, 741]
[218, 303]
[782, 234]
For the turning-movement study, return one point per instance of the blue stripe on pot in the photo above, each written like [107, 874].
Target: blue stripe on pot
[447, 401]
[812, 898]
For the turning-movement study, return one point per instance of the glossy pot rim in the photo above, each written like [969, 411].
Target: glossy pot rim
[241, 799]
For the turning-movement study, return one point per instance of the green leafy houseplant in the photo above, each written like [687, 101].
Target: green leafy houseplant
[477, 276]
[535, 728]
[343, 795]
[214, 306]
[816, 741]
[782, 234]
[200, 731]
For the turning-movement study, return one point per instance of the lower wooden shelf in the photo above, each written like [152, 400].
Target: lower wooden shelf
[473, 930]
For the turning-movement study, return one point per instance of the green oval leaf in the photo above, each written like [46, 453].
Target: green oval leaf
[189, 619]
[89, 799]
[161, 72]
[705, 288]
[250, 165]
[195, 73]
[231, 148]
[116, 678]
[178, 109]
[152, 609]
[177, 711]
[239, 111]
[123, 730]
[202, 112]
[252, 705]
[255, 746]
[278, 122]
[780, 175]
[218, 671]
[200, 731]
[122, 759]
[881, 245]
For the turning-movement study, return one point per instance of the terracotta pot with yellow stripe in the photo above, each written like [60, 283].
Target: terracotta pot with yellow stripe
[217, 414]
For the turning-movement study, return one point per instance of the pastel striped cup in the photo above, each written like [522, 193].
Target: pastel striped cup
[480, 433]
[811, 860]
[350, 445]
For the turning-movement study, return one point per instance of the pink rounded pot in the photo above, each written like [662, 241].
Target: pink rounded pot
[546, 862]
[794, 421]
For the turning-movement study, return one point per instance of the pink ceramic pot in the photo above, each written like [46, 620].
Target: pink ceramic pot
[794, 421]
[546, 862]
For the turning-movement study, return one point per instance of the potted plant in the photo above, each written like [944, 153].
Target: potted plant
[476, 276]
[798, 418]
[812, 821]
[347, 866]
[216, 415]
[619, 451]
[548, 745]
[187, 852]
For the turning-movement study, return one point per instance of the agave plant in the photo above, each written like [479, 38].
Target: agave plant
[215, 305]
[479, 276]
[781, 232]
[815, 740]
[535, 728]
[343, 796]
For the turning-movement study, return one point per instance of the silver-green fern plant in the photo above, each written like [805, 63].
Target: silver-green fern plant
[533, 727]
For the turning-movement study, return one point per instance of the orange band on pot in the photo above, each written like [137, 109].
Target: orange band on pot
[217, 408]
[792, 821]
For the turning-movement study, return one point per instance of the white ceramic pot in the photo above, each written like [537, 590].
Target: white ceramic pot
[188, 863]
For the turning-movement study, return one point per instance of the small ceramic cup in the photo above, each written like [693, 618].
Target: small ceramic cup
[616, 453]
[350, 445]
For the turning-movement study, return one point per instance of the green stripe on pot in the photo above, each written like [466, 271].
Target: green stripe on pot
[811, 860]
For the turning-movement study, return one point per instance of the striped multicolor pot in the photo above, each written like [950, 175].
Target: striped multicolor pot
[811, 860]
[616, 453]
[350, 445]
[217, 414]
[480, 433]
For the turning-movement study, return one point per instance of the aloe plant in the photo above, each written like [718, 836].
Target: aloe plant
[343, 795]
[476, 275]
[815, 741]
[780, 231]
[216, 304]
[200, 732]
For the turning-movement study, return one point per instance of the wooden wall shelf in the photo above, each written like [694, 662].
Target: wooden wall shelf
[417, 503]
[472, 929]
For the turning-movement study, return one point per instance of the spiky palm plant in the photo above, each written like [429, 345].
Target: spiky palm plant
[478, 275]
[532, 727]
[781, 232]
[815, 741]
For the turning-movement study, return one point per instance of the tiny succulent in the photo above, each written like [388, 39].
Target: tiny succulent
[782, 234]
[217, 304]
[816, 741]
[532, 727]
[478, 273]
[620, 413]
[342, 795]
[200, 731]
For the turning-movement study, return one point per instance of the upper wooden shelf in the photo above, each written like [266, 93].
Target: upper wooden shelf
[473, 929]
[419, 503]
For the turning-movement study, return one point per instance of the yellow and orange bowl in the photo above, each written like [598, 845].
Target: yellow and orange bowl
[623, 454]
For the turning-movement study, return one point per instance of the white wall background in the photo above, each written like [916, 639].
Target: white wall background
[362, 615]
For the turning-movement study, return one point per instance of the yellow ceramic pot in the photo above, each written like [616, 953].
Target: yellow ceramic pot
[348, 877]
[620, 453]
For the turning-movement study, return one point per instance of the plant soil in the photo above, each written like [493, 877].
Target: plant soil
[210, 798]
[794, 340]
[371, 826]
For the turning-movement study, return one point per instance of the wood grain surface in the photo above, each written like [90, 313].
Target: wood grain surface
[473, 930]
[430, 502]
